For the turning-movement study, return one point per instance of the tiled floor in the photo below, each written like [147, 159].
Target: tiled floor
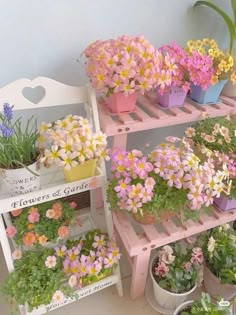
[105, 302]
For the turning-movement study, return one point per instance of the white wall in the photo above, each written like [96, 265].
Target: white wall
[44, 37]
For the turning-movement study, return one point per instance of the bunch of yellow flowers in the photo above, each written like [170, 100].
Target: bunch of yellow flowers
[223, 62]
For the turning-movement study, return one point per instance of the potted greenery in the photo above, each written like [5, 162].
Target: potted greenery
[70, 143]
[19, 154]
[175, 273]
[221, 70]
[219, 249]
[230, 21]
[204, 306]
[52, 274]
[180, 67]
[42, 225]
[216, 136]
[122, 67]
[165, 181]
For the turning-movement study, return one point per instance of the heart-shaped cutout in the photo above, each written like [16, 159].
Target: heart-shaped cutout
[34, 95]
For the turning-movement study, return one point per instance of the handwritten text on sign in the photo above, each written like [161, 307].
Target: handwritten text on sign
[78, 295]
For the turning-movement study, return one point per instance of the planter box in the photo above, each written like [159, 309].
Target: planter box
[119, 103]
[224, 203]
[209, 95]
[173, 96]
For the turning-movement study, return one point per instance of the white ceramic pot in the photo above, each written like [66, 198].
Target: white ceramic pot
[22, 180]
[167, 299]
[215, 288]
[182, 307]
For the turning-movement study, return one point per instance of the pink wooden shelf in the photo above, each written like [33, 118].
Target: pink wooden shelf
[138, 239]
[149, 115]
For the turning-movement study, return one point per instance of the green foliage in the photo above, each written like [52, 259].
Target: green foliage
[19, 149]
[231, 23]
[204, 306]
[31, 281]
[45, 226]
[219, 248]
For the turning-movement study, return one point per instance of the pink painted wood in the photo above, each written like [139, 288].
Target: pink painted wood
[149, 115]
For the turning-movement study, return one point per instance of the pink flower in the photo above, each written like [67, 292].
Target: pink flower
[197, 256]
[161, 270]
[72, 281]
[50, 213]
[17, 254]
[73, 204]
[16, 213]
[11, 231]
[33, 217]
[51, 262]
[58, 297]
[63, 231]
[187, 266]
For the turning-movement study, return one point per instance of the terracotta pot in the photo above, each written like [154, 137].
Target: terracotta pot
[215, 288]
[145, 219]
[164, 298]
[167, 215]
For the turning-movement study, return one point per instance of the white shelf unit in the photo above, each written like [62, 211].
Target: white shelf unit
[53, 185]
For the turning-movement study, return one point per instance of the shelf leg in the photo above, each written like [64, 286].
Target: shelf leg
[119, 141]
[5, 246]
[139, 274]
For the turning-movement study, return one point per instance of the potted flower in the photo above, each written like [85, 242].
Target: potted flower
[204, 306]
[52, 274]
[219, 251]
[175, 273]
[222, 70]
[35, 278]
[122, 67]
[181, 69]
[18, 153]
[216, 136]
[70, 143]
[170, 180]
[88, 259]
[229, 88]
[42, 225]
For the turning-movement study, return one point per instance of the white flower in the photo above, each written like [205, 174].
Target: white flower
[211, 244]
[226, 226]
[72, 281]
[58, 297]
[17, 254]
[51, 261]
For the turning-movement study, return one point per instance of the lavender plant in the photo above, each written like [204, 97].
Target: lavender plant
[17, 144]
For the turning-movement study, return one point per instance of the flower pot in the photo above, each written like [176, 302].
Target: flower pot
[209, 95]
[224, 203]
[215, 288]
[173, 96]
[22, 180]
[81, 171]
[145, 219]
[120, 103]
[167, 299]
[183, 307]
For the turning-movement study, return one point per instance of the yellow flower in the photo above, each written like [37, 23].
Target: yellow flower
[206, 41]
[42, 239]
[213, 43]
[214, 79]
[201, 51]
[199, 44]
[190, 44]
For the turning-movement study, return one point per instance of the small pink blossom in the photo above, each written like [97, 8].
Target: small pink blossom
[161, 270]
[72, 281]
[33, 217]
[58, 297]
[73, 204]
[187, 266]
[51, 262]
[11, 231]
[17, 254]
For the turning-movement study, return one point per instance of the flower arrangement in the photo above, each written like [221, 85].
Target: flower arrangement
[18, 146]
[184, 68]
[171, 179]
[71, 141]
[219, 248]
[205, 306]
[222, 62]
[88, 259]
[43, 224]
[216, 137]
[176, 269]
[51, 275]
[126, 65]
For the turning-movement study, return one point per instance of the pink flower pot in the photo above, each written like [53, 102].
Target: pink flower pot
[215, 288]
[224, 203]
[120, 103]
[173, 96]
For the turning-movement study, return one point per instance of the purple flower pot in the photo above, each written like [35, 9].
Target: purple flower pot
[224, 203]
[173, 96]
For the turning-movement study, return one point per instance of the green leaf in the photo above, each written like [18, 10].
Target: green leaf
[233, 5]
[227, 19]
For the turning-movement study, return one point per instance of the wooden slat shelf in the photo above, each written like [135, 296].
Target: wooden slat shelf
[149, 115]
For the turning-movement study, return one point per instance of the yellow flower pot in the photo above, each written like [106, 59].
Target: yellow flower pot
[81, 171]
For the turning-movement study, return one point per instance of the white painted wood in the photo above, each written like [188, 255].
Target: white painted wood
[53, 185]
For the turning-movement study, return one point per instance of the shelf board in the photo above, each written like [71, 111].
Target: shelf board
[149, 115]
[53, 186]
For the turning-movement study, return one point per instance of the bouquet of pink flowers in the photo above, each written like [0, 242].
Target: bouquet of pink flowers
[126, 65]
